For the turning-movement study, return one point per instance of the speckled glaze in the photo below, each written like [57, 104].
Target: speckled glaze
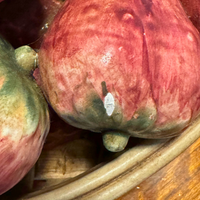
[144, 53]
[24, 119]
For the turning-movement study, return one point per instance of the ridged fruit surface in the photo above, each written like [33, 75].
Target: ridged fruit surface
[24, 119]
[130, 66]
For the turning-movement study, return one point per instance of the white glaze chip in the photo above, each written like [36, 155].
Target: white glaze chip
[109, 104]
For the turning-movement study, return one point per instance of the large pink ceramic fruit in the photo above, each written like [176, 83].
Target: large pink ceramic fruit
[123, 68]
[24, 118]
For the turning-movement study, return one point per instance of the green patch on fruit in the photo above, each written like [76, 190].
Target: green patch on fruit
[93, 115]
[95, 112]
[18, 90]
[142, 120]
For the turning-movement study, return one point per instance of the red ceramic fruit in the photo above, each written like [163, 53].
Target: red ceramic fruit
[24, 116]
[123, 68]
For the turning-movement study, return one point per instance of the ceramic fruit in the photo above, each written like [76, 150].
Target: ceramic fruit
[122, 68]
[24, 116]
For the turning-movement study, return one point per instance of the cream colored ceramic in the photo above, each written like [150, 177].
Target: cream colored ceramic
[113, 179]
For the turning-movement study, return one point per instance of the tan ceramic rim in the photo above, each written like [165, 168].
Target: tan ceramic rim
[117, 177]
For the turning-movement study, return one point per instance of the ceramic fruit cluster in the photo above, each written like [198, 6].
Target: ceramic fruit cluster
[119, 68]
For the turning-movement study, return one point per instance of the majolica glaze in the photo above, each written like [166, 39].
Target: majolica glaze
[123, 68]
[24, 117]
